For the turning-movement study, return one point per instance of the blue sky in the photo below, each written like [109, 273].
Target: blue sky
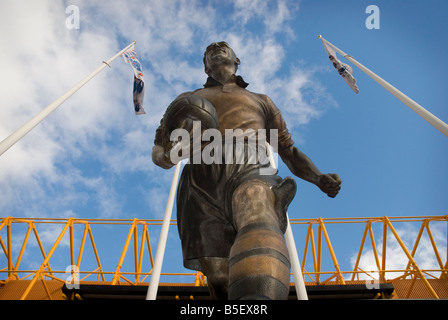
[92, 157]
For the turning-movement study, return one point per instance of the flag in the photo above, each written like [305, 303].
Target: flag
[344, 70]
[130, 56]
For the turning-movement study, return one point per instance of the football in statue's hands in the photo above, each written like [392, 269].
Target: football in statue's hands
[181, 113]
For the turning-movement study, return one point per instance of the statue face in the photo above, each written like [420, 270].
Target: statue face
[219, 54]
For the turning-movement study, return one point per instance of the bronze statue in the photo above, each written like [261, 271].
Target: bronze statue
[231, 216]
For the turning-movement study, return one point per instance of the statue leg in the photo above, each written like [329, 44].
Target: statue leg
[217, 272]
[259, 265]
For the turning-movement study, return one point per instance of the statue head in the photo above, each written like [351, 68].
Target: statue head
[218, 55]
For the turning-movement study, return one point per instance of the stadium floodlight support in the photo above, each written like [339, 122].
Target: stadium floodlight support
[422, 112]
[38, 118]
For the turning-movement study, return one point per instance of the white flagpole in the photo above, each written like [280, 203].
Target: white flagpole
[425, 114]
[290, 243]
[27, 127]
[155, 275]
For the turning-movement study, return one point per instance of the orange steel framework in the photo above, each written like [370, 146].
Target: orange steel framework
[18, 245]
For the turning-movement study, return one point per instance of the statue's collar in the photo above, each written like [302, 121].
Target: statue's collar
[237, 79]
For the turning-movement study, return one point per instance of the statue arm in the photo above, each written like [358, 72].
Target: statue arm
[158, 151]
[161, 141]
[299, 163]
[302, 167]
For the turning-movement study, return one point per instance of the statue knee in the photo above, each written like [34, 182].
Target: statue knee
[253, 191]
[253, 202]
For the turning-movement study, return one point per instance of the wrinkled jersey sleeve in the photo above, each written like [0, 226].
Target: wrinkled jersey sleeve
[276, 121]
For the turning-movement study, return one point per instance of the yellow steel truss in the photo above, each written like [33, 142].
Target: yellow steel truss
[14, 250]
[411, 270]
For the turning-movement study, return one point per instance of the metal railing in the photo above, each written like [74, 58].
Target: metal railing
[119, 251]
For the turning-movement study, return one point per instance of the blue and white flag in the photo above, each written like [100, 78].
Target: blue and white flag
[130, 56]
[344, 70]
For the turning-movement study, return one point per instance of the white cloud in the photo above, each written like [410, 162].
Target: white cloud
[273, 14]
[297, 93]
[396, 258]
[246, 9]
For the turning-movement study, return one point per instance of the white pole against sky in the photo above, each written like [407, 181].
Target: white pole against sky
[27, 127]
[425, 114]
[155, 275]
[290, 243]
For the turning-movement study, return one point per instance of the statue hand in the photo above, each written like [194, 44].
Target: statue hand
[330, 184]
[159, 157]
